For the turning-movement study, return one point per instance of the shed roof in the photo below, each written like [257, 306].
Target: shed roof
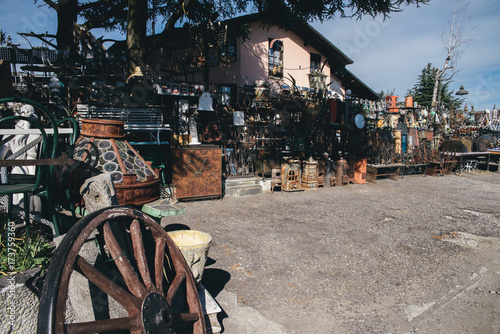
[305, 31]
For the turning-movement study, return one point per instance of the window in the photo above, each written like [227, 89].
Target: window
[315, 62]
[227, 50]
[275, 58]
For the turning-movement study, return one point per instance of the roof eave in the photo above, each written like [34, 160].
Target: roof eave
[310, 36]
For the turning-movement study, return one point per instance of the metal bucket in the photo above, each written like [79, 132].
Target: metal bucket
[194, 247]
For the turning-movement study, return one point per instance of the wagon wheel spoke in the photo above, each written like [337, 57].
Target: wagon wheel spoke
[194, 303]
[159, 261]
[123, 264]
[181, 279]
[175, 286]
[140, 253]
[97, 326]
[129, 302]
[185, 317]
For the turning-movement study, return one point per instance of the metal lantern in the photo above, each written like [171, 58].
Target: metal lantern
[461, 91]
[317, 80]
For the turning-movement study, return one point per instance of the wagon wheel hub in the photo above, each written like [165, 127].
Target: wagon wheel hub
[156, 314]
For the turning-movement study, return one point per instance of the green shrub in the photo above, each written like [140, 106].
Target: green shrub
[19, 252]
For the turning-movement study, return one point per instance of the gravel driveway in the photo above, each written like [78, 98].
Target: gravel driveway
[413, 255]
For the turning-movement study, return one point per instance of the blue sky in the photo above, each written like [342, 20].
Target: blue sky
[388, 55]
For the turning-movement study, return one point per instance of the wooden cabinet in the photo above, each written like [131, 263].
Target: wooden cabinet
[197, 172]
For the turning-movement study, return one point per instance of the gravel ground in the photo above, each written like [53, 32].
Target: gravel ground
[413, 255]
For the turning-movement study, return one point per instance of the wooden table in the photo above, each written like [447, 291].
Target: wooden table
[495, 155]
[375, 171]
[414, 169]
[460, 156]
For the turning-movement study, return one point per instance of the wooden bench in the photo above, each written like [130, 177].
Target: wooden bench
[494, 159]
[376, 171]
[480, 156]
[411, 169]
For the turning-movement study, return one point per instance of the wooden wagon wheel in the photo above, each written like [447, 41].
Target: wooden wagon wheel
[157, 292]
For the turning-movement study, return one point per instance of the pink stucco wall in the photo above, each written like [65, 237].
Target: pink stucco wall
[252, 63]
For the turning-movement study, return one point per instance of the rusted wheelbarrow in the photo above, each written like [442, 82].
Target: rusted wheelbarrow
[137, 267]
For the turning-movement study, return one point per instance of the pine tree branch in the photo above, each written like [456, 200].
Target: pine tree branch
[102, 20]
[52, 4]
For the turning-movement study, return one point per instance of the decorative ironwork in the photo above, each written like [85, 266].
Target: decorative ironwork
[197, 172]
[211, 134]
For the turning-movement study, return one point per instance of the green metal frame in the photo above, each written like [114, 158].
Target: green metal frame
[40, 184]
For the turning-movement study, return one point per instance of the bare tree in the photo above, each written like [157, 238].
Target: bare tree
[454, 41]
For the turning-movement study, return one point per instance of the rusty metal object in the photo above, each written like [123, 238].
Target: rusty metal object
[276, 179]
[441, 164]
[135, 181]
[61, 165]
[333, 181]
[137, 193]
[291, 176]
[211, 134]
[341, 172]
[197, 172]
[449, 161]
[309, 174]
[149, 301]
[102, 128]
[321, 173]
[360, 171]
[392, 171]
[63, 161]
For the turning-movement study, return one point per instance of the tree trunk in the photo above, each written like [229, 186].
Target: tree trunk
[206, 66]
[439, 77]
[435, 90]
[136, 33]
[66, 19]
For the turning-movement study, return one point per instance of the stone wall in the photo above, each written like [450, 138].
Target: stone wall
[19, 295]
